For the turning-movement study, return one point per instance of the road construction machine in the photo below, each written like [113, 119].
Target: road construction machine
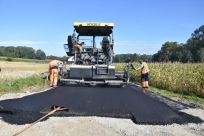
[91, 64]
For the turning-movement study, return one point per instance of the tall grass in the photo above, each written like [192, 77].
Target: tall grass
[18, 85]
[176, 77]
[17, 76]
[16, 70]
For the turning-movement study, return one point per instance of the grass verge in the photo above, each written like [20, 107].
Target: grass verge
[171, 94]
[24, 60]
[21, 84]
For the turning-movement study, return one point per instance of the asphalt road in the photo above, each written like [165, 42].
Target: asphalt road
[129, 102]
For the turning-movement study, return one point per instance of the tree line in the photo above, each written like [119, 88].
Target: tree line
[64, 58]
[191, 51]
[22, 52]
[121, 58]
[26, 53]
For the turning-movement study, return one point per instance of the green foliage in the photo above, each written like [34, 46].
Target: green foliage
[172, 94]
[10, 55]
[200, 55]
[22, 52]
[26, 53]
[64, 58]
[9, 59]
[198, 37]
[187, 56]
[124, 58]
[40, 55]
[20, 84]
[170, 51]
[25, 60]
[191, 51]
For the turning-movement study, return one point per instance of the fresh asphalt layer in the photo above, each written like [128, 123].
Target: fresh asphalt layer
[129, 102]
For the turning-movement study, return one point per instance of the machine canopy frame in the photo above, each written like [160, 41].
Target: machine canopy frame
[93, 28]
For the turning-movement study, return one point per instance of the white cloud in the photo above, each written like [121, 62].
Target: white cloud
[20, 42]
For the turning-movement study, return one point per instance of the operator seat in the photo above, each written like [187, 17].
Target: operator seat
[106, 44]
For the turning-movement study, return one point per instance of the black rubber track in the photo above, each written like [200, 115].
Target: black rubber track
[115, 102]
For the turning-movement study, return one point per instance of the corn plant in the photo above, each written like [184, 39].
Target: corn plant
[176, 77]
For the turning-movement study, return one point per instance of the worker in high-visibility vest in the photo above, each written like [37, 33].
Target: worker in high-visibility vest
[144, 74]
[53, 69]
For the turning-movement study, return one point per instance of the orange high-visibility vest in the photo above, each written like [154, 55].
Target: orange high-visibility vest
[53, 63]
[145, 69]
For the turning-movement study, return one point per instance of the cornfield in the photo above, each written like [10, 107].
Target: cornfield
[176, 77]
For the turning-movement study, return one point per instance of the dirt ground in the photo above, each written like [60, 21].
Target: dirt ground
[82, 126]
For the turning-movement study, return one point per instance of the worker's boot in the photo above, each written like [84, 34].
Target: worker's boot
[144, 91]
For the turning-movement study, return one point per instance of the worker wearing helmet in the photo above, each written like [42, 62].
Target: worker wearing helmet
[144, 74]
[53, 69]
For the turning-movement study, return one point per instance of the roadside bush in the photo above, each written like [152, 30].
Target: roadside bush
[9, 59]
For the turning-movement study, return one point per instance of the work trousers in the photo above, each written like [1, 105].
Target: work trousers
[53, 76]
[144, 80]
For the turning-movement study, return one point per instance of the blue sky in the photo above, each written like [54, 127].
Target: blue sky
[139, 26]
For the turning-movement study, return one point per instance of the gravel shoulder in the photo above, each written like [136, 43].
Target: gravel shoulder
[61, 126]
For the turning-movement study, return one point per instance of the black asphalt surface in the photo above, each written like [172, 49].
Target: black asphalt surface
[129, 103]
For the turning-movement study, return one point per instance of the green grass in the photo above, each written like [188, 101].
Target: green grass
[172, 94]
[24, 60]
[20, 84]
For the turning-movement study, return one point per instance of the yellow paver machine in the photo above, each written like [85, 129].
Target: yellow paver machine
[90, 51]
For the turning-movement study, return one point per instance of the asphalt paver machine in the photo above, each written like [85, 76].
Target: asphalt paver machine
[91, 64]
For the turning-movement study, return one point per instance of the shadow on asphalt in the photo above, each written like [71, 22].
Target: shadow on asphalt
[102, 101]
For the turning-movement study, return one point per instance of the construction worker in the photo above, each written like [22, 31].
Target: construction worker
[144, 74]
[53, 69]
[79, 46]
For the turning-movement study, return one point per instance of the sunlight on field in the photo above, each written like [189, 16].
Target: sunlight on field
[177, 77]
[16, 70]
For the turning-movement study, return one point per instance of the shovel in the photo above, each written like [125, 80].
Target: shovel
[56, 108]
